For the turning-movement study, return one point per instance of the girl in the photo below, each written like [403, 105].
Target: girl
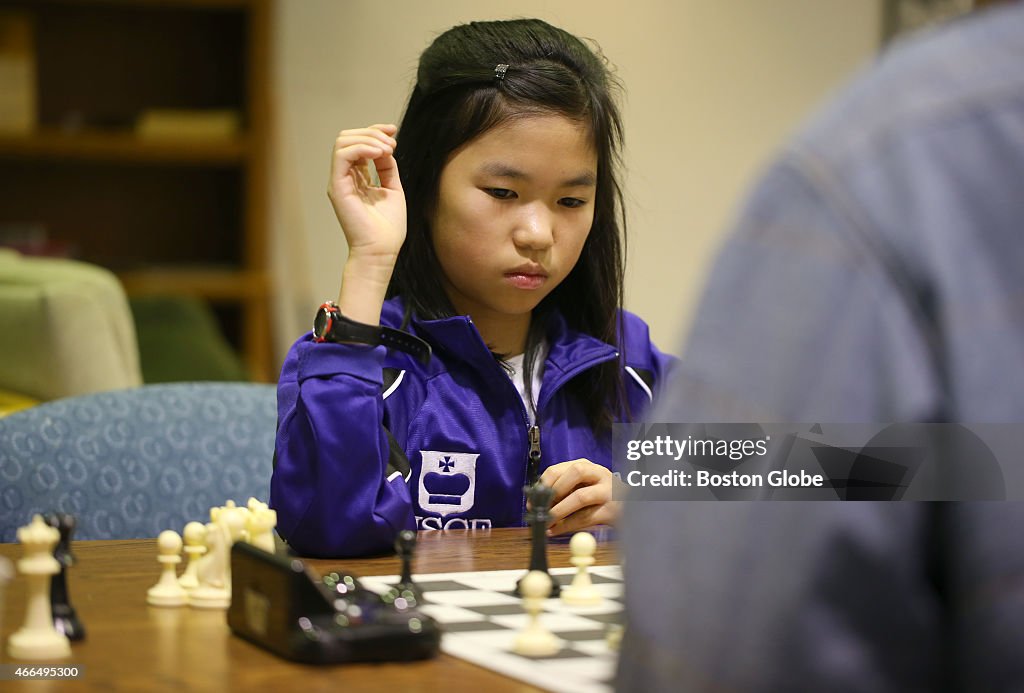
[502, 251]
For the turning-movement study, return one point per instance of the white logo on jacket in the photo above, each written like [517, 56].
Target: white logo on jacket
[447, 481]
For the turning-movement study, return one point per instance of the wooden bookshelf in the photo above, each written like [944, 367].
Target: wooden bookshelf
[173, 215]
[109, 147]
[214, 284]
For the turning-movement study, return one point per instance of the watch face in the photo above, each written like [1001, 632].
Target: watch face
[322, 322]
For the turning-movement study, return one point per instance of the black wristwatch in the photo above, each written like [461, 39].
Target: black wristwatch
[331, 326]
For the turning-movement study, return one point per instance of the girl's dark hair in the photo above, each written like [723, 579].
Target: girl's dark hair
[457, 98]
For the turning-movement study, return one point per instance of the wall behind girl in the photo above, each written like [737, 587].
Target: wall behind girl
[711, 89]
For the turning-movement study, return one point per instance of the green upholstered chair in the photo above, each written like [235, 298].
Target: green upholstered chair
[65, 329]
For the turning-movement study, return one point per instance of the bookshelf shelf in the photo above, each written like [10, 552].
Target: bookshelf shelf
[106, 147]
[215, 284]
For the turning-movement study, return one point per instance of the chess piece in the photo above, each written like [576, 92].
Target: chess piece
[537, 517]
[214, 570]
[6, 571]
[38, 639]
[65, 619]
[259, 527]
[213, 591]
[535, 640]
[232, 518]
[582, 591]
[406, 589]
[167, 592]
[613, 638]
[195, 546]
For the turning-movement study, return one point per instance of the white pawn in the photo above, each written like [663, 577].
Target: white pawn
[167, 592]
[582, 591]
[38, 639]
[195, 546]
[535, 640]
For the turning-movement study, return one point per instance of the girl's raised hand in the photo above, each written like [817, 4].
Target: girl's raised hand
[372, 216]
[583, 496]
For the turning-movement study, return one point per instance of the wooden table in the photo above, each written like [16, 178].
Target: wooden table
[131, 646]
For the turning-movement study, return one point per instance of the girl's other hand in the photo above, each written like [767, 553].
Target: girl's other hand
[372, 216]
[583, 496]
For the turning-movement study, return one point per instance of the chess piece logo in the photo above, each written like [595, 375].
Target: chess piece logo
[447, 481]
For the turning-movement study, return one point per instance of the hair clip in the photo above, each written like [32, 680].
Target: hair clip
[499, 71]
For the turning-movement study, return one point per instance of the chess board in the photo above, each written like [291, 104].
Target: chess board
[481, 617]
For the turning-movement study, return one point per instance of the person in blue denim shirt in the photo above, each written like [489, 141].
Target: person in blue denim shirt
[876, 274]
[500, 245]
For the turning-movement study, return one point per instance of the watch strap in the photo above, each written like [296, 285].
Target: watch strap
[343, 329]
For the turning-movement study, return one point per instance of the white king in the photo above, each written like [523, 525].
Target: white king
[38, 639]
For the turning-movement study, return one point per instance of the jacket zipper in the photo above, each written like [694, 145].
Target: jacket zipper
[533, 459]
[532, 462]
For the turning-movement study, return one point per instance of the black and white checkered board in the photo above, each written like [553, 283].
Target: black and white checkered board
[481, 617]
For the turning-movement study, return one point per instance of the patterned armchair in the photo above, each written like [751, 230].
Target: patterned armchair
[132, 463]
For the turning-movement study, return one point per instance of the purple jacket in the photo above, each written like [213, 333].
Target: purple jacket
[372, 442]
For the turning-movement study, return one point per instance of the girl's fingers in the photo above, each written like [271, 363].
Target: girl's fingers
[389, 129]
[386, 128]
[583, 497]
[346, 157]
[346, 142]
[347, 136]
[387, 172]
[360, 150]
[606, 514]
[354, 147]
[572, 475]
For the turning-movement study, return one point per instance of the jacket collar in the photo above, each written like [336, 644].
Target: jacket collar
[569, 352]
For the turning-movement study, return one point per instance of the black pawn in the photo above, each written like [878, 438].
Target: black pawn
[405, 546]
[65, 619]
[538, 517]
